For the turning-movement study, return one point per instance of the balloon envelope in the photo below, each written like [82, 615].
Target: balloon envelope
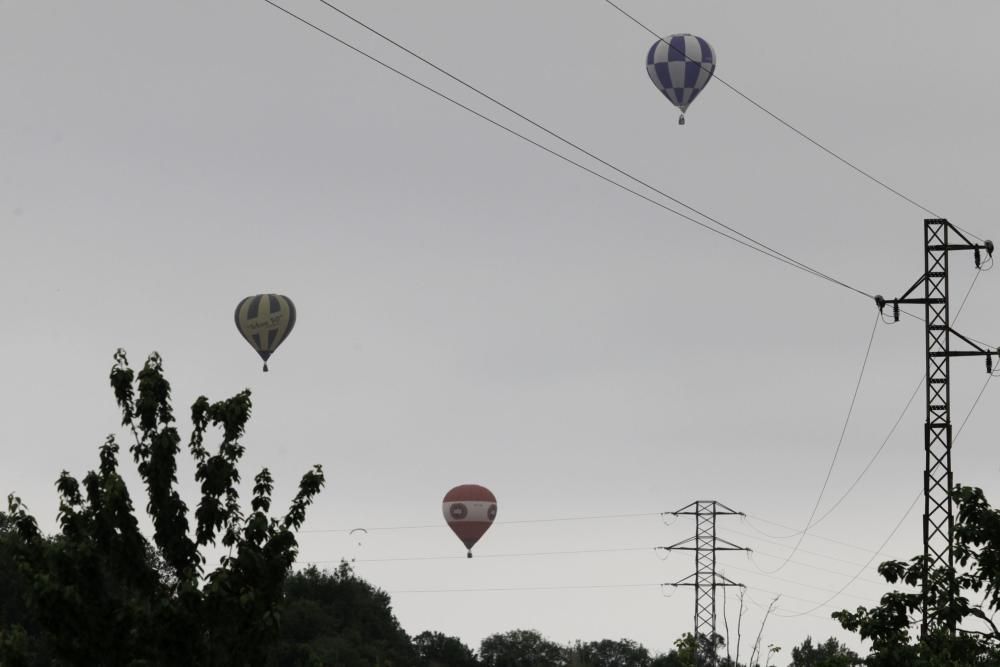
[469, 510]
[265, 320]
[680, 67]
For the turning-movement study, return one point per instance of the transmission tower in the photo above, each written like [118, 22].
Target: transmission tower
[938, 516]
[705, 579]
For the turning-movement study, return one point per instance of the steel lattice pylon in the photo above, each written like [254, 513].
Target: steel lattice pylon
[938, 519]
[938, 516]
[705, 578]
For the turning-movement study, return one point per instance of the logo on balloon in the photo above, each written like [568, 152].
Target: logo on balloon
[492, 512]
[458, 511]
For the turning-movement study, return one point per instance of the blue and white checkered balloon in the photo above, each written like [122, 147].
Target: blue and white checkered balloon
[680, 66]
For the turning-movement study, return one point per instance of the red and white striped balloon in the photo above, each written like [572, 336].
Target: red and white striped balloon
[469, 510]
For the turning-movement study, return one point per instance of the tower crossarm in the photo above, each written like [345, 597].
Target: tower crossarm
[692, 509]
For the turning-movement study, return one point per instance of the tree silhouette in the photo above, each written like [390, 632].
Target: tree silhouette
[106, 595]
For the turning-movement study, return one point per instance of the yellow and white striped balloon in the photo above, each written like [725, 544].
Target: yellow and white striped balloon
[265, 320]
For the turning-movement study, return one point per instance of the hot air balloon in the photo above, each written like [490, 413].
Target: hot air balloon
[680, 66]
[265, 320]
[469, 510]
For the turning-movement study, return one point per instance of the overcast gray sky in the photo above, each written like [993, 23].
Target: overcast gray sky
[473, 310]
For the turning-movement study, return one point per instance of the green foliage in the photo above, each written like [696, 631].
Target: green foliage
[438, 650]
[339, 619]
[608, 653]
[521, 648]
[22, 641]
[690, 653]
[105, 595]
[830, 653]
[965, 599]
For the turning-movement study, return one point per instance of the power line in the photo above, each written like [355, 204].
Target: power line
[590, 517]
[905, 515]
[528, 554]
[974, 404]
[812, 566]
[797, 583]
[885, 441]
[857, 479]
[788, 125]
[606, 517]
[814, 535]
[596, 517]
[572, 143]
[507, 589]
[759, 247]
[764, 607]
[906, 408]
[836, 452]
[866, 565]
[750, 243]
[573, 552]
[967, 293]
[805, 551]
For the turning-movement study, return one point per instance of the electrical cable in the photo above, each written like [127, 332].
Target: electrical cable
[759, 247]
[974, 404]
[589, 517]
[967, 293]
[836, 452]
[764, 607]
[573, 552]
[788, 125]
[602, 517]
[900, 523]
[857, 479]
[818, 567]
[875, 456]
[871, 461]
[563, 588]
[798, 583]
[572, 143]
[865, 566]
[753, 244]
[804, 551]
[505, 589]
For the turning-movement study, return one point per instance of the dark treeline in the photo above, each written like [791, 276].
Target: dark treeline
[335, 618]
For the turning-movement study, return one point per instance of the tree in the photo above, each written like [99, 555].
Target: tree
[830, 653]
[890, 625]
[439, 650]
[105, 595]
[22, 641]
[687, 650]
[339, 619]
[608, 653]
[521, 648]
